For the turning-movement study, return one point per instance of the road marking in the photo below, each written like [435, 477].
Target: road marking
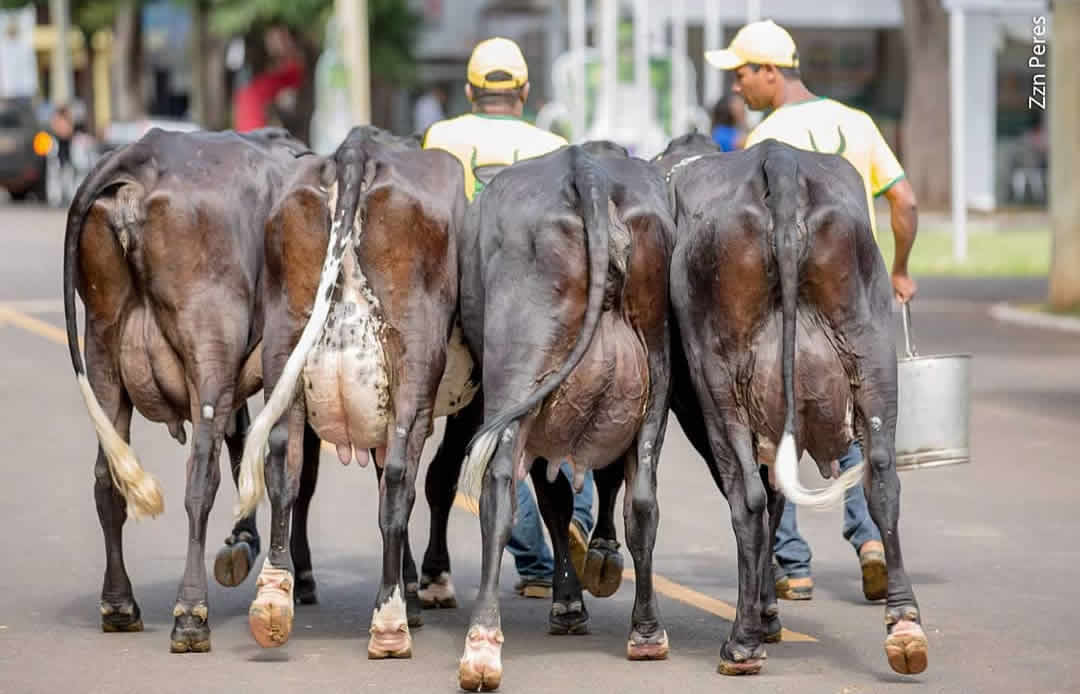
[664, 586]
[35, 305]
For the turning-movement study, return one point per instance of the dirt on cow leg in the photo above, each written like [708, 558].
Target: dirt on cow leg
[440, 488]
[604, 561]
[270, 616]
[235, 559]
[305, 591]
[556, 501]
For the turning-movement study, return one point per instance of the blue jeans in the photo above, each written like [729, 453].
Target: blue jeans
[793, 554]
[532, 557]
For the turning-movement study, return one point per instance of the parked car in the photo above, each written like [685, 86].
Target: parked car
[24, 145]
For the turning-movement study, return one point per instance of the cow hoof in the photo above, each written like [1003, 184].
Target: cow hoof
[414, 610]
[653, 647]
[437, 592]
[270, 616]
[568, 618]
[305, 589]
[738, 660]
[389, 642]
[191, 632]
[233, 562]
[774, 630]
[123, 616]
[603, 568]
[481, 665]
[906, 648]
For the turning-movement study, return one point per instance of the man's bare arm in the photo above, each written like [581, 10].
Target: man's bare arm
[905, 223]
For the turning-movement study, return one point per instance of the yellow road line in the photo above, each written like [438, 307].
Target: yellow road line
[688, 596]
[664, 586]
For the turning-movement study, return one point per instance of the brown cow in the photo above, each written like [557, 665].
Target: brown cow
[164, 245]
[368, 351]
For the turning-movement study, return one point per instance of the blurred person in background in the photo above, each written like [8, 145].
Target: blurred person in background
[729, 123]
[429, 109]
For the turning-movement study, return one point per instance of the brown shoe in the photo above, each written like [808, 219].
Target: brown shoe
[534, 588]
[795, 588]
[875, 575]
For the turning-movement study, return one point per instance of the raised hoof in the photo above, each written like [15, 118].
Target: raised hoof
[413, 608]
[233, 563]
[270, 616]
[568, 618]
[906, 648]
[120, 617]
[480, 669]
[736, 660]
[603, 568]
[304, 592]
[437, 592]
[647, 648]
[191, 633]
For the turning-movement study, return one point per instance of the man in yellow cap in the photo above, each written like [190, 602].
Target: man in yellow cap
[493, 135]
[765, 62]
[490, 138]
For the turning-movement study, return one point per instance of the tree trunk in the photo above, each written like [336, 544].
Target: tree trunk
[1063, 100]
[208, 78]
[127, 62]
[925, 129]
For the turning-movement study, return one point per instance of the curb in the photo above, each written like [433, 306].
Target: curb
[1011, 314]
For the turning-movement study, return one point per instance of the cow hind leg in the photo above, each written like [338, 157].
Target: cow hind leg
[771, 615]
[235, 559]
[440, 489]
[556, 502]
[604, 562]
[119, 611]
[906, 645]
[413, 608]
[390, 637]
[481, 663]
[270, 616]
[305, 592]
[191, 626]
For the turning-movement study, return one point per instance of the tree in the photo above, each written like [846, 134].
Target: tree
[1063, 100]
[925, 128]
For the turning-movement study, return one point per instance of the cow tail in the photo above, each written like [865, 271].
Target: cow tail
[140, 490]
[344, 198]
[594, 190]
[782, 198]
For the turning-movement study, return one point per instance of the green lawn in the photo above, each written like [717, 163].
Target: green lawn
[1020, 253]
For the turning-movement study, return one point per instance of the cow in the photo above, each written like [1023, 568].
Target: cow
[564, 298]
[360, 349]
[164, 245]
[785, 344]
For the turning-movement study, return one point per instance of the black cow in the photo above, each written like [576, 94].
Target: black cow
[783, 307]
[164, 245]
[564, 297]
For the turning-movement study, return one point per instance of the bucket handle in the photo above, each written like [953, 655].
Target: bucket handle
[906, 314]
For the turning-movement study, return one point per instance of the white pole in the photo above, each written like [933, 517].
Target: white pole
[712, 42]
[957, 133]
[60, 67]
[354, 25]
[609, 19]
[753, 10]
[577, 48]
[679, 100]
[641, 72]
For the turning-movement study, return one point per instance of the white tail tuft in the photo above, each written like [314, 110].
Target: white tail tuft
[787, 477]
[139, 488]
[252, 484]
[472, 471]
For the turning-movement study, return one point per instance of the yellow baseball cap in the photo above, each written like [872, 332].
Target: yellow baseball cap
[497, 55]
[763, 43]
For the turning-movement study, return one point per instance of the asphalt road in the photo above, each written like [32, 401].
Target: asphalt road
[989, 546]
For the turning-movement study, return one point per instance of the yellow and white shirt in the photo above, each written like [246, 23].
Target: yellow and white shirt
[824, 125]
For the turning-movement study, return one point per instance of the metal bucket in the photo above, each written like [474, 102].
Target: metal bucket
[932, 407]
